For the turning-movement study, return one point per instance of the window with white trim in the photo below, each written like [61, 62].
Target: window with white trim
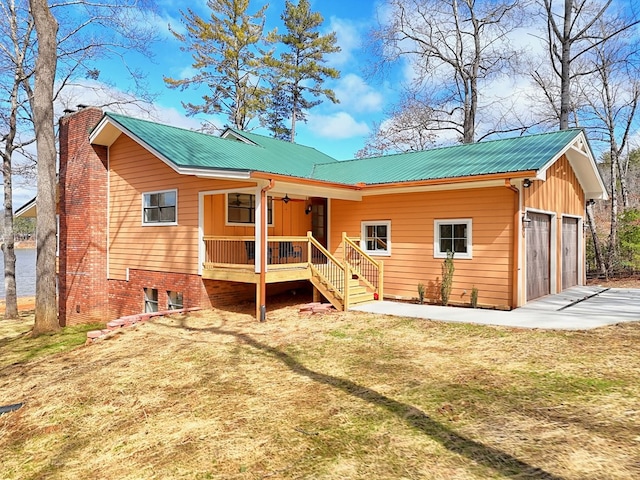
[174, 300]
[150, 300]
[241, 209]
[452, 236]
[160, 208]
[376, 237]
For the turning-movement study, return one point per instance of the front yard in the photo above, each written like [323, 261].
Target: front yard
[339, 396]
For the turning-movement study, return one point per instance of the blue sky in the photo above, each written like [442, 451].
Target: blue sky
[339, 130]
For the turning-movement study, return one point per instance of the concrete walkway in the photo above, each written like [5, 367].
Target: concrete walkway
[577, 308]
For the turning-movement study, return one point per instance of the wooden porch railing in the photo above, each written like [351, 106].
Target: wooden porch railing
[334, 278]
[240, 252]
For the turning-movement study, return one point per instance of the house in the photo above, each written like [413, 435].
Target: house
[158, 217]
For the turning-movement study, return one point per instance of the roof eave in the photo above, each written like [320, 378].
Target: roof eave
[452, 180]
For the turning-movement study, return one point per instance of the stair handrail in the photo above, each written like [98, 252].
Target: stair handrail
[314, 242]
[378, 265]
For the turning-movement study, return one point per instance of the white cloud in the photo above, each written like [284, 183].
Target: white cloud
[349, 39]
[337, 126]
[355, 94]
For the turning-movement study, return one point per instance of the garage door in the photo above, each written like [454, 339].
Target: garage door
[569, 252]
[538, 256]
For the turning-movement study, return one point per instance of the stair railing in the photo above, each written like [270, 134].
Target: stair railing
[369, 271]
[327, 268]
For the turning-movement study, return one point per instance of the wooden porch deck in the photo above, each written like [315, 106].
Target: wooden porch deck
[356, 278]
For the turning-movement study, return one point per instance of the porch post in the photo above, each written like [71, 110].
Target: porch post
[261, 230]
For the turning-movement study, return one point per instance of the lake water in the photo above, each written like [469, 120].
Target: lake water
[25, 272]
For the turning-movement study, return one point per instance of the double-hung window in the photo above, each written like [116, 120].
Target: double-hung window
[241, 209]
[452, 236]
[160, 208]
[376, 237]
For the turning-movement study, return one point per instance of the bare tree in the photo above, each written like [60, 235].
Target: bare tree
[46, 318]
[91, 30]
[611, 96]
[456, 48]
[570, 33]
[15, 61]
[409, 128]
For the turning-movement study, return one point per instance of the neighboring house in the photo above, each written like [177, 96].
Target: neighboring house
[157, 217]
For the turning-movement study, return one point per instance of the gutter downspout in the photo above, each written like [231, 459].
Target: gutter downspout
[517, 259]
[261, 307]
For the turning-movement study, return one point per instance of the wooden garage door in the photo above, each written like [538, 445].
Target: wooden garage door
[538, 255]
[569, 252]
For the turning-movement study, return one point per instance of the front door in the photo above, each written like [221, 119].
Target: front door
[319, 220]
[538, 256]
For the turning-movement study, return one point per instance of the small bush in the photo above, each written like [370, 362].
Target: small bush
[421, 291]
[447, 278]
[474, 297]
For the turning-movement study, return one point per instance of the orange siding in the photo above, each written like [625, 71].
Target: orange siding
[133, 171]
[288, 219]
[561, 194]
[412, 259]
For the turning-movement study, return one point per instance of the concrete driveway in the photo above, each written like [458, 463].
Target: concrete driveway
[577, 308]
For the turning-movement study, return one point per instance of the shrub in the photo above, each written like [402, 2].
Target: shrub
[474, 297]
[447, 278]
[421, 291]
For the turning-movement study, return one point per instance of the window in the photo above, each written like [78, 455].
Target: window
[159, 208]
[376, 237]
[452, 236]
[174, 300]
[241, 208]
[150, 300]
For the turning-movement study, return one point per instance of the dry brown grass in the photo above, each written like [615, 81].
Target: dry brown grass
[340, 396]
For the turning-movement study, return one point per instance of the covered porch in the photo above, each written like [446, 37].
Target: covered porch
[354, 278]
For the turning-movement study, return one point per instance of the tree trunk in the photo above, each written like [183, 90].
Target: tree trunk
[8, 247]
[565, 64]
[46, 317]
[596, 244]
[612, 256]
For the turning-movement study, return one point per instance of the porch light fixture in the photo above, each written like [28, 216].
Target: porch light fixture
[307, 210]
[526, 221]
[526, 183]
[286, 198]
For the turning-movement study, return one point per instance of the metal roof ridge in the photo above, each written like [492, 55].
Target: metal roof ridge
[461, 145]
[114, 116]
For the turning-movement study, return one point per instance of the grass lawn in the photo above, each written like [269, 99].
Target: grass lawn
[216, 395]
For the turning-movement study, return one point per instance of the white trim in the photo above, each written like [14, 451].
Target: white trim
[436, 237]
[328, 220]
[108, 231]
[201, 244]
[363, 237]
[159, 224]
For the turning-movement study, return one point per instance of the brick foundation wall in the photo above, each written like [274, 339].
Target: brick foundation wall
[127, 297]
[82, 276]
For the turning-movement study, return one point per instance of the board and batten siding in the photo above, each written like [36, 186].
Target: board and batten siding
[171, 248]
[562, 195]
[412, 259]
[289, 219]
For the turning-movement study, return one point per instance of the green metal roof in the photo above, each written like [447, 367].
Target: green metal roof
[189, 149]
[195, 150]
[517, 154]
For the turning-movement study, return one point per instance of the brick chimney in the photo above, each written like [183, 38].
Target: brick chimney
[82, 273]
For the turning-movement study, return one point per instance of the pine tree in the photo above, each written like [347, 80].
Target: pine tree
[300, 69]
[226, 53]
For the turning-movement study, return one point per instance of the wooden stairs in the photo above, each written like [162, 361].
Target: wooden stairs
[355, 279]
